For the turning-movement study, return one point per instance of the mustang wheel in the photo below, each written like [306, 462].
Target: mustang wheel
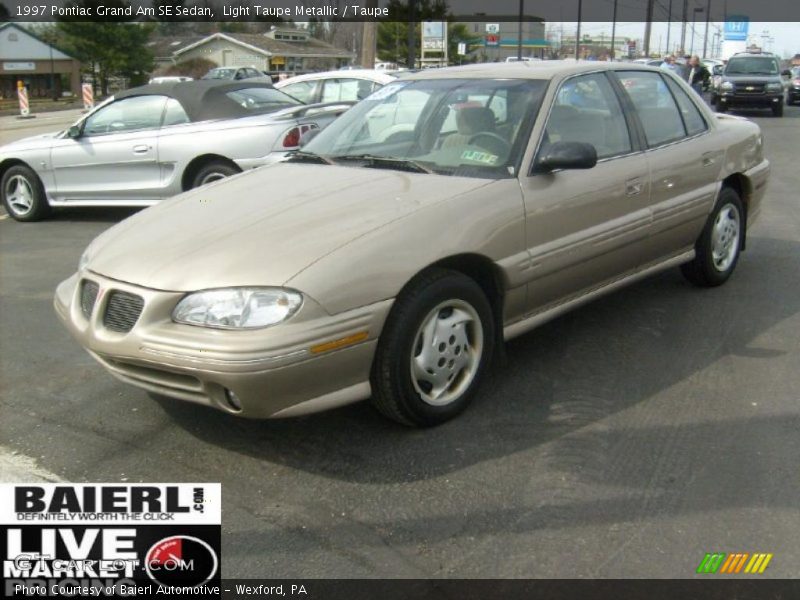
[434, 349]
[717, 248]
[213, 172]
[23, 194]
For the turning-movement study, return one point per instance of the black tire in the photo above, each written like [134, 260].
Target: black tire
[703, 271]
[789, 101]
[213, 171]
[395, 390]
[777, 110]
[21, 177]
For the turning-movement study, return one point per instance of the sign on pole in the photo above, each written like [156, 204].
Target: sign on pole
[22, 94]
[88, 96]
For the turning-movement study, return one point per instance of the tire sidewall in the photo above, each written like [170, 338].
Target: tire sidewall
[715, 277]
[39, 207]
[407, 325]
[204, 171]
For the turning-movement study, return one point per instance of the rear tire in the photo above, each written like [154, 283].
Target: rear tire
[777, 110]
[434, 349]
[213, 171]
[23, 194]
[718, 247]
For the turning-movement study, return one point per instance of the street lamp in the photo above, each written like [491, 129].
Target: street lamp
[694, 24]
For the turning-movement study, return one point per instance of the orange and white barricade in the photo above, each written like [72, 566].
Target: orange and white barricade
[22, 94]
[88, 96]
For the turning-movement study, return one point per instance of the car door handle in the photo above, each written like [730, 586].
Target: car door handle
[708, 160]
[633, 187]
[141, 149]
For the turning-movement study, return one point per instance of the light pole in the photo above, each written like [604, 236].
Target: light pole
[694, 24]
[519, 30]
[669, 23]
[578, 32]
[614, 31]
[708, 19]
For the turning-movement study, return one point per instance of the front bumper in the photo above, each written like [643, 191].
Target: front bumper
[294, 368]
[765, 100]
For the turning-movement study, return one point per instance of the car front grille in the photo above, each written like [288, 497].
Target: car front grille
[89, 291]
[122, 311]
[749, 88]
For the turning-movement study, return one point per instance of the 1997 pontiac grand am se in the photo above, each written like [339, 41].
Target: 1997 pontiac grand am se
[445, 213]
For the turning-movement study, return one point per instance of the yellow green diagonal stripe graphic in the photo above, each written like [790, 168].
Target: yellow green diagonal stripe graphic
[734, 562]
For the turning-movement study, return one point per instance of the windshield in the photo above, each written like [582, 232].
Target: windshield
[220, 74]
[262, 99]
[752, 65]
[465, 127]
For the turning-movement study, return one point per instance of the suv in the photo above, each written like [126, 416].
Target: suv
[751, 80]
[793, 87]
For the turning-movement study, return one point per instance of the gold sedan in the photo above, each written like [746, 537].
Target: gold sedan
[448, 212]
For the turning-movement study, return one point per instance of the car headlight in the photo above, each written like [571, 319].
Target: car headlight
[237, 308]
[774, 86]
[726, 85]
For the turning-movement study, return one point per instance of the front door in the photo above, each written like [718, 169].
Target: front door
[585, 227]
[116, 157]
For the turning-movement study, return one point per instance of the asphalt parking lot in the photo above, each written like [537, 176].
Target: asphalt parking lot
[625, 439]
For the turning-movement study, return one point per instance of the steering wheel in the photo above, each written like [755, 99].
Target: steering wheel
[496, 144]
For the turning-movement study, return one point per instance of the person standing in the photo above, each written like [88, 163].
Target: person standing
[698, 76]
[669, 64]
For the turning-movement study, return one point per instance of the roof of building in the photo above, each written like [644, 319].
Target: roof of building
[266, 45]
[38, 39]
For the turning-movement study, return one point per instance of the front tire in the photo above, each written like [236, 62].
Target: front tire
[23, 194]
[213, 171]
[718, 247]
[777, 110]
[434, 349]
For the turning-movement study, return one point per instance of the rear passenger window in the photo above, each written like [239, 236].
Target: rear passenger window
[692, 118]
[655, 106]
[587, 110]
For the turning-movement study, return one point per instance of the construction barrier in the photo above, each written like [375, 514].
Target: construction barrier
[22, 93]
[88, 96]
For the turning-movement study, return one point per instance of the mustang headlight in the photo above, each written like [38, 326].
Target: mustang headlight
[726, 85]
[237, 308]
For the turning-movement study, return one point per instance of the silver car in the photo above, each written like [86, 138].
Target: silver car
[155, 141]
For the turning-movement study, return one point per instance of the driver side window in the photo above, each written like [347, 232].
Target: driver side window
[129, 114]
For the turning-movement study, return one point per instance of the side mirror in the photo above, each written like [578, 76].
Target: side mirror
[717, 70]
[567, 155]
[308, 136]
[74, 132]
[787, 74]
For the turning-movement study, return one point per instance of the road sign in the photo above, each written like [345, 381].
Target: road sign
[493, 28]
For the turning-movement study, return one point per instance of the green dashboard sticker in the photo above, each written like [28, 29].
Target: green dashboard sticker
[481, 157]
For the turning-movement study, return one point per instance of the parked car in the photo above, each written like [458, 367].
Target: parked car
[392, 265]
[170, 79]
[793, 86]
[335, 86]
[751, 80]
[152, 142]
[236, 74]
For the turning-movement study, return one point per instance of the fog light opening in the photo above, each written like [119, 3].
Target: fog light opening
[233, 400]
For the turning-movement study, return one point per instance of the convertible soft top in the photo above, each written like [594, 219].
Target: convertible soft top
[203, 99]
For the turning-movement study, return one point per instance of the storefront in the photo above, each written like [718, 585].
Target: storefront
[46, 71]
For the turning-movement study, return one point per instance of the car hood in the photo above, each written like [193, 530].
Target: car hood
[34, 142]
[261, 227]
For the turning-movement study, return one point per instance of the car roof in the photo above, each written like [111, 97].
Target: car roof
[203, 99]
[369, 74]
[546, 69]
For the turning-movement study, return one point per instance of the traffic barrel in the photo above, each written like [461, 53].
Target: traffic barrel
[24, 106]
[88, 96]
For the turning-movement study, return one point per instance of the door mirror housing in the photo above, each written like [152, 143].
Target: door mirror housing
[75, 132]
[567, 155]
[787, 74]
[717, 70]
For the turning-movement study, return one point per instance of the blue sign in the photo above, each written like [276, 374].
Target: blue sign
[736, 28]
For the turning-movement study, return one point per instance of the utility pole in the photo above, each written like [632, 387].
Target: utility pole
[519, 31]
[614, 30]
[411, 60]
[647, 27]
[578, 32]
[685, 19]
[669, 25]
[708, 19]
[368, 39]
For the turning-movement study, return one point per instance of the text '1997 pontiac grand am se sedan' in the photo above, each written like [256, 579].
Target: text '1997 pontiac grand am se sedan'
[388, 258]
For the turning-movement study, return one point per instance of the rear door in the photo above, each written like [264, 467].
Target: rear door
[684, 160]
[116, 157]
[585, 227]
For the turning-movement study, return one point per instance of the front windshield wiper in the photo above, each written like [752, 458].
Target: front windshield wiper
[305, 156]
[404, 164]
